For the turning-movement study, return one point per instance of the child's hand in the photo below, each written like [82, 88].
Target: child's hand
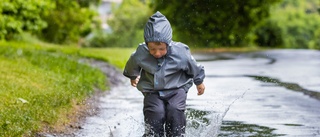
[135, 82]
[200, 89]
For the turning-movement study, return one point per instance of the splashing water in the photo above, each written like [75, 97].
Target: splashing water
[121, 116]
[206, 124]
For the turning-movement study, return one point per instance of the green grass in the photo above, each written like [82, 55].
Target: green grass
[115, 56]
[40, 84]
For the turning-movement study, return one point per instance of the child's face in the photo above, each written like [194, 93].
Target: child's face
[157, 49]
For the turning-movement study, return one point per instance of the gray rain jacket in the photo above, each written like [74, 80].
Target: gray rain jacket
[177, 69]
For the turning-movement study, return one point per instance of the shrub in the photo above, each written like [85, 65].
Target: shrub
[127, 26]
[67, 22]
[293, 24]
[22, 15]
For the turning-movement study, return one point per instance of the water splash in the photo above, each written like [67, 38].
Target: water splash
[205, 123]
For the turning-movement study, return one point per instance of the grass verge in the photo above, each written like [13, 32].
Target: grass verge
[41, 84]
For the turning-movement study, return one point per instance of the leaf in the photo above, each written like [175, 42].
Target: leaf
[23, 100]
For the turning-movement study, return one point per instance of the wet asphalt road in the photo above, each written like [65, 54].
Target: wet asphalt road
[270, 93]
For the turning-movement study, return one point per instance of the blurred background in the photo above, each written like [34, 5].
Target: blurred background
[204, 23]
[262, 75]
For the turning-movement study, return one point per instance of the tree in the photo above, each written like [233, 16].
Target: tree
[293, 24]
[126, 23]
[214, 22]
[57, 21]
[22, 16]
[68, 21]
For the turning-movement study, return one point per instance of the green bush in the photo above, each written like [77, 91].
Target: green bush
[293, 24]
[58, 21]
[127, 26]
[22, 15]
[268, 34]
[214, 23]
[68, 22]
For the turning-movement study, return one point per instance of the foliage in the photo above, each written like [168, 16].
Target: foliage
[214, 22]
[268, 34]
[57, 21]
[39, 87]
[293, 24]
[22, 15]
[88, 3]
[127, 25]
[67, 22]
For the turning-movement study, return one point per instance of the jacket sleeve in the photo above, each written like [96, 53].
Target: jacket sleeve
[132, 69]
[195, 70]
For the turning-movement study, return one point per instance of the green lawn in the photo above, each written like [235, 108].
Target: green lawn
[40, 85]
[115, 56]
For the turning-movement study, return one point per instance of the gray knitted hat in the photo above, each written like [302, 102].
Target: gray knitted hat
[158, 29]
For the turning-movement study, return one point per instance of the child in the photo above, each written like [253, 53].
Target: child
[163, 70]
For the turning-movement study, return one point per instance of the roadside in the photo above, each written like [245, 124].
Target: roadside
[90, 106]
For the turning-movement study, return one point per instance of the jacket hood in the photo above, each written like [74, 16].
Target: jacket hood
[158, 29]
